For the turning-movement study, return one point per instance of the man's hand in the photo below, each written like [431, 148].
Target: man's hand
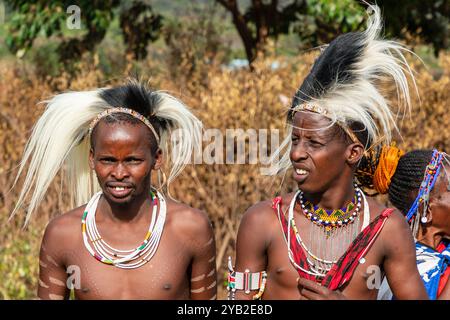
[311, 290]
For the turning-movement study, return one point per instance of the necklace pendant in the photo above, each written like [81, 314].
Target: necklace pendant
[328, 231]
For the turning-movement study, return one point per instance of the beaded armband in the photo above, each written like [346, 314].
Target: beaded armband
[246, 281]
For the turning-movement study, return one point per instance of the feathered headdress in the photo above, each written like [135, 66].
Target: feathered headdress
[60, 140]
[344, 86]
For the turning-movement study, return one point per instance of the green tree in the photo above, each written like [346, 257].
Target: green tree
[324, 20]
[140, 25]
[319, 21]
[194, 45]
[34, 18]
[429, 19]
[314, 21]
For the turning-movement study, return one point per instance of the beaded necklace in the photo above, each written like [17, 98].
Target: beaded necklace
[125, 259]
[328, 249]
[330, 220]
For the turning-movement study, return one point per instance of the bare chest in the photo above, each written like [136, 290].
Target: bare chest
[163, 277]
[282, 274]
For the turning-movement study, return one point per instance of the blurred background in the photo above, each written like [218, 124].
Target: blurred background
[235, 63]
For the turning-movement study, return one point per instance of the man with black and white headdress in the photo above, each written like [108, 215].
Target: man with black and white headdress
[129, 241]
[328, 240]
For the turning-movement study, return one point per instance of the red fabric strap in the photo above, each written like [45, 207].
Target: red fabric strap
[297, 251]
[342, 271]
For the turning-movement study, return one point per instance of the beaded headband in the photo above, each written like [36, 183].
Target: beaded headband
[430, 177]
[322, 111]
[133, 113]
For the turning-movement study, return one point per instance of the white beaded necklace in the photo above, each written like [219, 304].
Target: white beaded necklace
[320, 267]
[125, 259]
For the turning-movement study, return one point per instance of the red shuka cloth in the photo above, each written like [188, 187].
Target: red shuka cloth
[342, 271]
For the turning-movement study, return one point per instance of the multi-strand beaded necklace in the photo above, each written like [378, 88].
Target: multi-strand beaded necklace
[330, 235]
[125, 259]
[330, 220]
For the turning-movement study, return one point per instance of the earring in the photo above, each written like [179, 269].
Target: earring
[424, 220]
[164, 178]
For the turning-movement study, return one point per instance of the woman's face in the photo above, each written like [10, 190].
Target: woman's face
[440, 204]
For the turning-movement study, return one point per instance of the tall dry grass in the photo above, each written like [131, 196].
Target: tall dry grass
[222, 99]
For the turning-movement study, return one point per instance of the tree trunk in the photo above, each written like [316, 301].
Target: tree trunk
[242, 28]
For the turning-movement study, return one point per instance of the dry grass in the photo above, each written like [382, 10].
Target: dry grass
[222, 99]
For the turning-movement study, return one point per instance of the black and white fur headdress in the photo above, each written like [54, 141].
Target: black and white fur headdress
[344, 85]
[60, 140]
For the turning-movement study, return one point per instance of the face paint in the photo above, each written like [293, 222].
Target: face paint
[198, 278]
[212, 259]
[57, 282]
[42, 264]
[50, 259]
[212, 285]
[55, 297]
[214, 297]
[200, 290]
[208, 243]
[121, 156]
[211, 273]
[43, 284]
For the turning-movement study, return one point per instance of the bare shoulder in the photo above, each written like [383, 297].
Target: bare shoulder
[259, 215]
[396, 218]
[187, 220]
[262, 216]
[395, 233]
[396, 221]
[377, 208]
[396, 228]
[64, 225]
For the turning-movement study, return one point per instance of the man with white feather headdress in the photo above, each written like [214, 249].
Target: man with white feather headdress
[328, 240]
[124, 239]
